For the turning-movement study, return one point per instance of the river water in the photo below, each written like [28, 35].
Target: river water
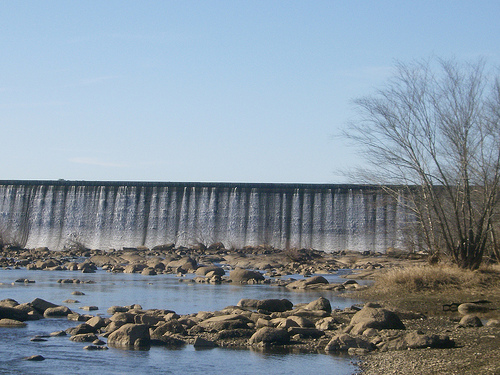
[63, 356]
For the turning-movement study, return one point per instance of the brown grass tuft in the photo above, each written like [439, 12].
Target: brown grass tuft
[435, 278]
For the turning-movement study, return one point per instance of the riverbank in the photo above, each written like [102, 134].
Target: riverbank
[477, 348]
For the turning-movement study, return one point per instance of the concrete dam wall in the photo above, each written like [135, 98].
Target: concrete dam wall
[108, 215]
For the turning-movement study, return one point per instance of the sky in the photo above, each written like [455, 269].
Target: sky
[209, 91]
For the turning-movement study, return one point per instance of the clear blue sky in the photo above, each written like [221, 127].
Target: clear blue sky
[230, 91]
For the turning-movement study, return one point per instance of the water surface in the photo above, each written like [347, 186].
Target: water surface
[163, 292]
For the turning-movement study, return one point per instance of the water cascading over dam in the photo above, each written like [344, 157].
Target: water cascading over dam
[107, 215]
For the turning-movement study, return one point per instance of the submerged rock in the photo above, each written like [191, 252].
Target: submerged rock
[11, 323]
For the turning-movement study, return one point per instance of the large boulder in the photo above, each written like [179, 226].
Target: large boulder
[343, 342]
[123, 317]
[270, 336]
[184, 264]
[203, 270]
[56, 312]
[470, 320]
[13, 313]
[219, 323]
[307, 282]
[320, 304]
[172, 326]
[417, 340]
[81, 329]
[41, 305]
[130, 336]
[96, 322]
[374, 316]
[248, 303]
[274, 305]
[241, 275]
[9, 302]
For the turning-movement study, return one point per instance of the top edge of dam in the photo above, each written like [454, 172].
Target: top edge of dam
[242, 185]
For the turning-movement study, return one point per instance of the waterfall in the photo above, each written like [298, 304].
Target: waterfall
[109, 215]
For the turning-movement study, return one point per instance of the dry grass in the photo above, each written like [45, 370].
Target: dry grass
[436, 278]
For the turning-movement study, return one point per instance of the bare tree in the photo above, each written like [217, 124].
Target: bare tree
[433, 134]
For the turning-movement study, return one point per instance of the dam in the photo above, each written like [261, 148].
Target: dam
[113, 215]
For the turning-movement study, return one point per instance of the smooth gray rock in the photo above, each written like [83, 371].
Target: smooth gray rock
[270, 336]
[130, 336]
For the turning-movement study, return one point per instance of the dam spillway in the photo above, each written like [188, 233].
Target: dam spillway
[106, 215]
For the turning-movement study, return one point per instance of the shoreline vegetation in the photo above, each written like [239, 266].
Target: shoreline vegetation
[417, 317]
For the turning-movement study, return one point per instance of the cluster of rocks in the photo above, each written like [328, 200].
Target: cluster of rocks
[181, 260]
[312, 327]
[260, 265]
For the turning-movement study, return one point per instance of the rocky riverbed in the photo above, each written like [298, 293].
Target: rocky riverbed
[386, 335]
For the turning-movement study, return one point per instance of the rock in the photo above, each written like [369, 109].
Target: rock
[307, 332]
[469, 308]
[81, 329]
[71, 301]
[123, 317]
[204, 270]
[235, 333]
[76, 317]
[9, 302]
[270, 336]
[470, 320]
[149, 271]
[130, 336]
[493, 323]
[219, 323]
[307, 282]
[96, 322]
[89, 308]
[148, 319]
[183, 265]
[95, 347]
[34, 358]
[58, 334]
[11, 323]
[84, 337]
[286, 323]
[13, 313]
[343, 342]
[320, 304]
[77, 293]
[168, 340]
[274, 305]
[115, 309]
[241, 275]
[55, 312]
[248, 303]
[41, 305]
[417, 340]
[200, 343]
[113, 326]
[326, 324]
[371, 316]
[172, 326]
[302, 321]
